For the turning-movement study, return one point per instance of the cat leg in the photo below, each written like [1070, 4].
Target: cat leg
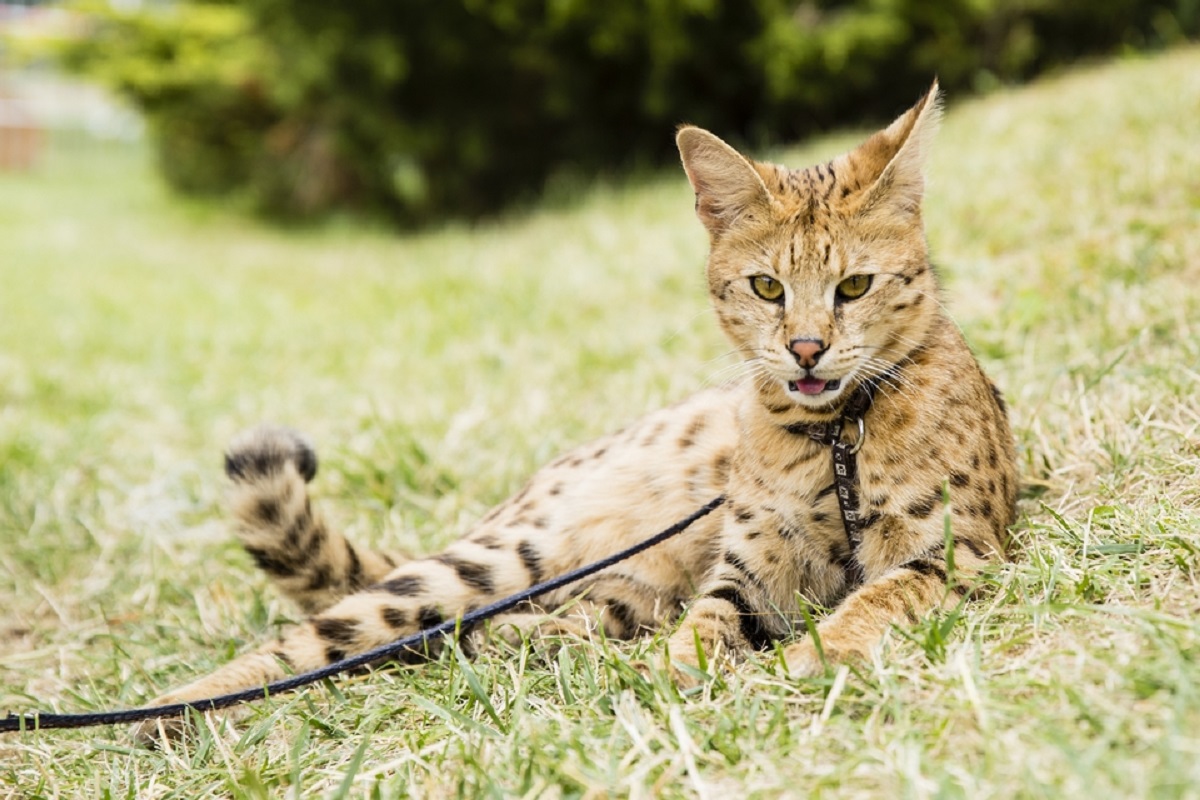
[898, 596]
[734, 612]
[744, 602]
[312, 564]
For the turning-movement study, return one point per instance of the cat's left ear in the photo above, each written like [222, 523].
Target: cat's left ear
[896, 156]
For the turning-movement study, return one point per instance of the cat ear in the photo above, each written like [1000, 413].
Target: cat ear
[727, 186]
[892, 162]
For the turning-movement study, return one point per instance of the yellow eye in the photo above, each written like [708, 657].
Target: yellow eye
[853, 287]
[767, 287]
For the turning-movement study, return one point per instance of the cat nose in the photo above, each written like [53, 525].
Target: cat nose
[807, 351]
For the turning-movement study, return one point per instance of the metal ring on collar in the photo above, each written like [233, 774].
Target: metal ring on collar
[862, 436]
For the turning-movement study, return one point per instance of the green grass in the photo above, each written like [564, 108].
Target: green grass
[139, 332]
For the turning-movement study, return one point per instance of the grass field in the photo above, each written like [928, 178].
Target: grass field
[139, 332]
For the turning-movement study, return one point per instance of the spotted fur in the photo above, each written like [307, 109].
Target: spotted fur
[744, 576]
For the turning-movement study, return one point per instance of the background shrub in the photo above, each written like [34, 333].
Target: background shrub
[425, 108]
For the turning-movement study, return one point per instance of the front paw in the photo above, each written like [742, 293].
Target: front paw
[690, 662]
[805, 660]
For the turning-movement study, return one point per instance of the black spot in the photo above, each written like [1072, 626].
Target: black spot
[306, 462]
[404, 586]
[923, 566]
[753, 535]
[752, 628]
[320, 579]
[624, 618]
[960, 479]
[819, 517]
[532, 561]
[923, 508]
[985, 508]
[337, 630]
[283, 658]
[556, 489]
[296, 537]
[789, 532]
[734, 561]
[744, 514]
[992, 459]
[334, 654]
[268, 510]
[394, 617]
[540, 523]
[429, 617]
[828, 490]
[478, 576]
[271, 564]
[488, 541]
[354, 572]
[999, 398]
[973, 546]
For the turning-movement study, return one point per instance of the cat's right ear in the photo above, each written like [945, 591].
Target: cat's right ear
[727, 186]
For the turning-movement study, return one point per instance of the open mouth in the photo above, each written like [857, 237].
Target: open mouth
[813, 386]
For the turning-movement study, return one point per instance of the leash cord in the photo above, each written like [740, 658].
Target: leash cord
[42, 721]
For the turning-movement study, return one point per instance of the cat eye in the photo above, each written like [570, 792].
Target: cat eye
[767, 287]
[853, 287]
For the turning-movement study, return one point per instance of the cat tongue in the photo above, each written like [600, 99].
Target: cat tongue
[809, 385]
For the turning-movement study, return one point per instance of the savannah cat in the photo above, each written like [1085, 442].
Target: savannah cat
[821, 279]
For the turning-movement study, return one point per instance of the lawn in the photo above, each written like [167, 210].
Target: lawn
[138, 332]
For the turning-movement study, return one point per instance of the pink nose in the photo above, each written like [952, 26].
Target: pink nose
[807, 351]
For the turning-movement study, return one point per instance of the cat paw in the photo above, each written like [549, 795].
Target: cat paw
[687, 667]
[805, 661]
[266, 449]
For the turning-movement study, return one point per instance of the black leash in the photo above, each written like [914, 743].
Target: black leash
[41, 721]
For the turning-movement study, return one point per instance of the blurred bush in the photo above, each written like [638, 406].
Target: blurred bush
[427, 108]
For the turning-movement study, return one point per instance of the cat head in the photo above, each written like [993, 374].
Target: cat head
[820, 277]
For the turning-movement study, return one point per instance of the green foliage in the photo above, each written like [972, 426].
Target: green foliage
[423, 109]
[197, 72]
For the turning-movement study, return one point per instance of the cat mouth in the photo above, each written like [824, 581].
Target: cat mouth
[813, 386]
